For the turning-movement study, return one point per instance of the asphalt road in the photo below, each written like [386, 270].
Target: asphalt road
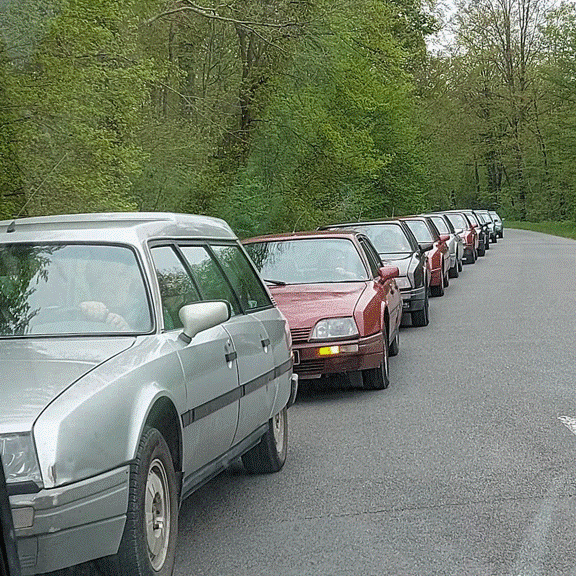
[466, 465]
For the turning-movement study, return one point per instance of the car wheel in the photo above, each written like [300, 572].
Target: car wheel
[394, 347]
[454, 272]
[437, 291]
[481, 250]
[421, 317]
[447, 279]
[377, 378]
[269, 455]
[460, 265]
[487, 245]
[149, 541]
[501, 234]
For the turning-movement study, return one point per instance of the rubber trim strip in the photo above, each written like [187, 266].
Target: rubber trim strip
[234, 395]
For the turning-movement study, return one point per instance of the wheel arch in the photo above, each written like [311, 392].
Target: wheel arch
[164, 417]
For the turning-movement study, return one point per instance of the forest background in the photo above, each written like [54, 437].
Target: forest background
[287, 114]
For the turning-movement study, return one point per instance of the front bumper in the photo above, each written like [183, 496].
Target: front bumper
[359, 354]
[413, 300]
[72, 524]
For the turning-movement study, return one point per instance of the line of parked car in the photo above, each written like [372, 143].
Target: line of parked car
[345, 287]
[142, 353]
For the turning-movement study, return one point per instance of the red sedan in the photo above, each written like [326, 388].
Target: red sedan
[436, 248]
[342, 304]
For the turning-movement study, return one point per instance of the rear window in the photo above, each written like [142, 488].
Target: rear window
[386, 238]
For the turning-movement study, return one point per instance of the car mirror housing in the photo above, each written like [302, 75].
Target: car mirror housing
[444, 238]
[425, 246]
[388, 272]
[201, 316]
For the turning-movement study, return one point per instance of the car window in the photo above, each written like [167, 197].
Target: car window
[373, 258]
[387, 238]
[244, 279]
[59, 289]
[440, 224]
[308, 261]
[176, 286]
[458, 221]
[208, 276]
[420, 230]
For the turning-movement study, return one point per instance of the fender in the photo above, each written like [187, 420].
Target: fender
[96, 424]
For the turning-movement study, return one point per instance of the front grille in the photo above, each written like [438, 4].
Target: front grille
[310, 367]
[300, 334]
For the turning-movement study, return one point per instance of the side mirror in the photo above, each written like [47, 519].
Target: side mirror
[425, 246]
[444, 237]
[388, 272]
[201, 316]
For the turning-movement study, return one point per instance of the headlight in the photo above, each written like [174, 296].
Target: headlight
[403, 282]
[19, 458]
[334, 328]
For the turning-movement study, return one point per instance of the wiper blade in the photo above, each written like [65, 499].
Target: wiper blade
[275, 282]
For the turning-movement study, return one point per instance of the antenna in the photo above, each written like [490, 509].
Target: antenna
[12, 226]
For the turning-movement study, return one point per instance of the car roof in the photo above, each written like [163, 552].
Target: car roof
[360, 223]
[118, 227]
[300, 235]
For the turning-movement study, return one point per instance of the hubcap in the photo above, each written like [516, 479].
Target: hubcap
[157, 513]
[278, 430]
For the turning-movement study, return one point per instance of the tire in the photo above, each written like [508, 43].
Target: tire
[481, 251]
[487, 245]
[149, 541]
[437, 291]
[422, 317]
[377, 378]
[269, 455]
[394, 348]
[460, 265]
[454, 272]
[501, 234]
[447, 279]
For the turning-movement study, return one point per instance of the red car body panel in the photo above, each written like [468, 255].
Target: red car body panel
[371, 303]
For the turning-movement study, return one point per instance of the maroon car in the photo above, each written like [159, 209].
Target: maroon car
[342, 304]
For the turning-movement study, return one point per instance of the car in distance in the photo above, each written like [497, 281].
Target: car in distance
[498, 224]
[342, 303]
[436, 248]
[482, 229]
[467, 232]
[454, 242]
[485, 215]
[140, 354]
[397, 246]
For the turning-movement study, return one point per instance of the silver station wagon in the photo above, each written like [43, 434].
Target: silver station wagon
[140, 354]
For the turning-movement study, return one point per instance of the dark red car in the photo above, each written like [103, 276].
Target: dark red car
[467, 232]
[342, 304]
[436, 248]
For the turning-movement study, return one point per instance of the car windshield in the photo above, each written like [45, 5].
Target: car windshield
[458, 221]
[420, 230]
[387, 238]
[440, 224]
[308, 261]
[64, 289]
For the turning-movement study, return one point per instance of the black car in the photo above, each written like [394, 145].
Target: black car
[397, 246]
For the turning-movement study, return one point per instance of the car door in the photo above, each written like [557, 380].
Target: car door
[258, 336]
[212, 389]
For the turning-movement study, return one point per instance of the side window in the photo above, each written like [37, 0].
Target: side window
[246, 282]
[373, 259]
[176, 287]
[208, 277]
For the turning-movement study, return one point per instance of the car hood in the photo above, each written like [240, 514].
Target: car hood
[305, 304]
[401, 261]
[35, 372]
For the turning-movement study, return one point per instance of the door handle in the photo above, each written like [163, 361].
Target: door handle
[231, 356]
